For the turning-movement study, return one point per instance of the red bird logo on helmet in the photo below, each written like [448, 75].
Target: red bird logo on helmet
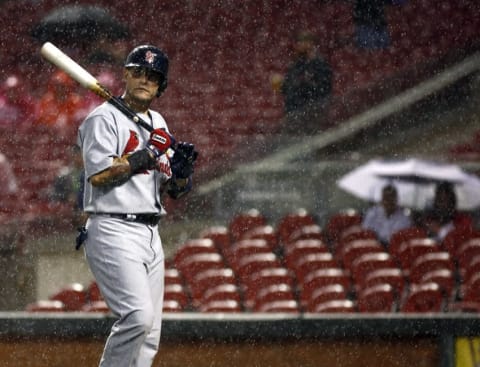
[149, 57]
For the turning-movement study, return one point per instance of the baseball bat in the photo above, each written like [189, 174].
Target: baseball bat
[88, 81]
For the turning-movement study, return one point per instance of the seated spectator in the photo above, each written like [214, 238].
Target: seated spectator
[443, 216]
[17, 106]
[306, 87]
[387, 217]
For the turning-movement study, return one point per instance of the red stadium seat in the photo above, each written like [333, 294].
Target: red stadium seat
[338, 222]
[219, 235]
[421, 298]
[295, 250]
[309, 300]
[46, 306]
[323, 277]
[403, 235]
[307, 232]
[466, 252]
[410, 250]
[266, 233]
[171, 306]
[293, 221]
[222, 306]
[335, 306]
[391, 276]
[353, 249]
[204, 280]
[280, 306]
[366, 263]
[172, 276]
[249, 265]
[445, 278]
[73, 296]
[274, 292]
[471, 290]
[455, 238]
[194, 247]
[358, 234]
[221, 292]
[246, 247]
[311, 262]
[176, 292]
[244, 222]
[195, 264]
[377, 298]
[428, 262]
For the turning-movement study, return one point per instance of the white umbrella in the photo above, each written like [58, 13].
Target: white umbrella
[415, 181]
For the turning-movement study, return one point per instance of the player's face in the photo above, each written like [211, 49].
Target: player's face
[141, 84]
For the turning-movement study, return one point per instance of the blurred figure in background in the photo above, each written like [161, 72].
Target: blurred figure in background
[306, 87]
[8, 182]
[61, 107]
[387, 217]
[371, 28]
[443, 216]
[17, 106]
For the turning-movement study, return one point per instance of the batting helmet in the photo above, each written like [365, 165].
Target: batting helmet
[150, 57]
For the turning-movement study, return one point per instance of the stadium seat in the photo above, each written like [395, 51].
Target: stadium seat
[290, 222]
[307, 232]
[445, 278]
[280, 306]
[244, 222]
[391, 276]
[195, 264]
[311, 262]
[472, 268]
[222, 306]
[403, 235]
[338, 222]
[377, 298]
[293, 251]
[353, 249]
[309, 299]
[93, 292]
[193, 247]
[219, 235]
[251, 264]
[73, 296]
[335, 306]
[206, 279]
[470, 291]
[220, 292]
[410, 250]
[421, 298]
[455, 239]
[46, 306]
[466, 252]
[262, 279]
[274, 292]
[428, 262]
[177, 292]
[171, 306]
[172, 276]
[266, 233]
[246, 247]
[323, 277]
[352, 235]
[366, 263]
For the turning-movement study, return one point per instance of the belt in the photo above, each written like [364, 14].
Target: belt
[145, 218]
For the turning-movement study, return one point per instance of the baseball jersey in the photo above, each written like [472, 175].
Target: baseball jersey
[105, 134]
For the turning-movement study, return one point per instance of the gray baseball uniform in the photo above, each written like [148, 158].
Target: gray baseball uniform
[124, 249]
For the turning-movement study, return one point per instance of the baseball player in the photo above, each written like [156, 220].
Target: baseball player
[126, 170]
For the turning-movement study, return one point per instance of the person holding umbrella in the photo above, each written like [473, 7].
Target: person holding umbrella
[387, 217]
[443, 216]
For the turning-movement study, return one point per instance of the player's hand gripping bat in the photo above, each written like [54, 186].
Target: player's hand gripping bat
[88, 81]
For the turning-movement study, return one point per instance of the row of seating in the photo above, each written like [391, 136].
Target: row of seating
[226, 270]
